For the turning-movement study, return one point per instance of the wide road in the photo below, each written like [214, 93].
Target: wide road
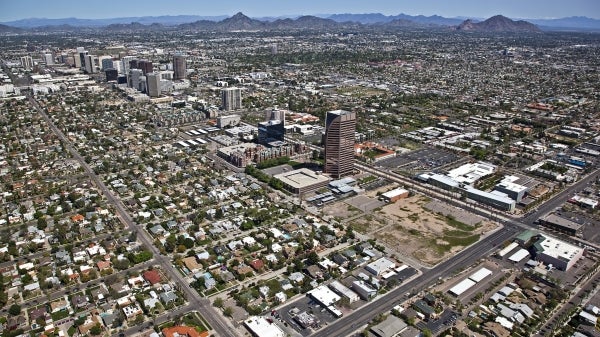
[219, 323]
[346, 325]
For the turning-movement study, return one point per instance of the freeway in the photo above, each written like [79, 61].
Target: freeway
[219, 323]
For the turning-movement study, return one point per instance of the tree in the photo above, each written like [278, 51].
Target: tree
[96, 329]
[14, 309]
[228, 312]
[218, 302]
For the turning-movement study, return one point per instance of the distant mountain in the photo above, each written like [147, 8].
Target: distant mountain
[240, 22]
[374, 18]
[134, 26]
[498, 23]
[9, 29]
[573, 22]
[322, 21]
[167, 20]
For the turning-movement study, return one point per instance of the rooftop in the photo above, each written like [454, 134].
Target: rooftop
[301, 178]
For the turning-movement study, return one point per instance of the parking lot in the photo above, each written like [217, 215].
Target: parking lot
[306, 304]
[427, 158]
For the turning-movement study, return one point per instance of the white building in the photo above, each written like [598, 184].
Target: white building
[260, 327]
[557, 253]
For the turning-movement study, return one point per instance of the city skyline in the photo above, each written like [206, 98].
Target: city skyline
[534, 9]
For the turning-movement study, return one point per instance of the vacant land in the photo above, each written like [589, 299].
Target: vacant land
[428, 230]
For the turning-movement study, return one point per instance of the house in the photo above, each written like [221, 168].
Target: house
[102, 265]
[314, 271]
[183, 331]
[79, 301]
[191, 263]
[58, 305]
[296, 277]
[151, 276]
[168, 297]
[257, 264]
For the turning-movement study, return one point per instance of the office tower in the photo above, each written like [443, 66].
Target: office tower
[339, 143]
[179, 67]
[273, 128]
[27, 62]
[106, 62]
[134, 78]
[82, 53]
[153, 85]
[231, 99]
[48, 58]
[145, 66]
[111, 74]
[90, 64]
[125, 64]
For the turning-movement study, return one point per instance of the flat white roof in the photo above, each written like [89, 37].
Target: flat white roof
[261, 327]
[301, 178]
[519, 255]
[480, 274]
[559, 249]
[508, 249]
[324, 295]
[394, 193]
[461, 287]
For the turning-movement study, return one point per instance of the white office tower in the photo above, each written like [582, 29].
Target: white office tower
[153, 84]
[90, 64]
[27, 62]
[231, 99]
[105, 62]
[125, 63]
[48, 59]
[134, 78]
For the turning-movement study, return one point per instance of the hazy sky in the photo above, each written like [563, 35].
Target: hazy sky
[92, 9]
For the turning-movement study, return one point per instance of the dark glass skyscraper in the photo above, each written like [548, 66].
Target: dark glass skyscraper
[179, 67]
[339, 143]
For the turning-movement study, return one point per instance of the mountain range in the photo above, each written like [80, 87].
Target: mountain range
[240, 21]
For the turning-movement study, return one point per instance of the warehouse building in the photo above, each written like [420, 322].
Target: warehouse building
[559, 254]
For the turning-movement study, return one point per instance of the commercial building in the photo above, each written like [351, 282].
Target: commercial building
[395, 195]
[495, 199]
[302, 180]
[179, 67]
[344, 291]
[231, 99]
[511, 189]
[380, 266]
[363, 290]
[90, 64]
[153, 84]
[559, 254]
[324, 296]
[145, 66]
[260, 327]
[273, 128]
[228, 121]
[560, 224]
[27, 62]
[111, 75]
[48, 58]
[339, 143]
[392, 326]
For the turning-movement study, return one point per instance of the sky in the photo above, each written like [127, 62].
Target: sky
[21, 9]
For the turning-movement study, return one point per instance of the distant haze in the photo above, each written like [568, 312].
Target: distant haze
[533, 9]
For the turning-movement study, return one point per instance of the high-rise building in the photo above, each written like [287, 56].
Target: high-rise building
[81, 53]
[231, 99]
[179, 67]
[125, 64]
[48, 58]
[27, 62]
[111, 74]
[90, 64]
[145, 66]
[339, 143]
[106, 62]
[135, 78]
[273, 128]
[153, 85]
